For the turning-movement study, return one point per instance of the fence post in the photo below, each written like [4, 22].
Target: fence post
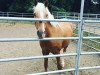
[80, 34]
[2, 14]
[74, 16]
[96, 16]
[7, 14]
[22, 14]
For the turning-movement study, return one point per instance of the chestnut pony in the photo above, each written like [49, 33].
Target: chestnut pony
[51, 29]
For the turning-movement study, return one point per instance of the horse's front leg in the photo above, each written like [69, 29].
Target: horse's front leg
[44, 52]
[45, 64]
[62, 59]
[59, 65]
[59, 62]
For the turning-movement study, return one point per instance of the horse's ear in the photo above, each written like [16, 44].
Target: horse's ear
[35, 2]
[46, 3]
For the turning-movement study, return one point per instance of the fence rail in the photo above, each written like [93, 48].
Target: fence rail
[74, 15]
[15, 14]
[48, 56]
[66, 70]
[37, 39]
[36, 19]
[57, 15]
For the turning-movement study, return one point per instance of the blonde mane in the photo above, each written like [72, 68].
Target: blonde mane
[41, 7]
[50, 16]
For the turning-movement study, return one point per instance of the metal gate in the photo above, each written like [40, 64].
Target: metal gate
[79, 38]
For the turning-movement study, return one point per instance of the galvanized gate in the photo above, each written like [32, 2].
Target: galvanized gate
[79, 43]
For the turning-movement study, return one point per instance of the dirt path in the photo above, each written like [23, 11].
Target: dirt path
[21, 49]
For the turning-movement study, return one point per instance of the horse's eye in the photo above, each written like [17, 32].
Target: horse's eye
[34, 14]
[46, 15]
[40, 21]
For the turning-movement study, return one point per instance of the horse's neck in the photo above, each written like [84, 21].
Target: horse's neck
[51, 31]
[48, 29]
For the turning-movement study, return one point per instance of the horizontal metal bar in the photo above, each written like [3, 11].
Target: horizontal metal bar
[91, 37]
[90, 53]
[35, 57]
[37, 39]
[36, 19]
[92, 21]
[53, 20]
[88, 68]
[48, 56]
[53, 72]
[66, 70]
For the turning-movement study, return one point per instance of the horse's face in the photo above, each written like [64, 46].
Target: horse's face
[40, 12]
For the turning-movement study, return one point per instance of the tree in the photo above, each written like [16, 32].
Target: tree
[4, 5]
[54, 5]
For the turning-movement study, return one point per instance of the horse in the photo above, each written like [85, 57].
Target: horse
[51, 29]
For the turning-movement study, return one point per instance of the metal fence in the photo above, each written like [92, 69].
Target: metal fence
[57, 15]
[79, 38]
[74, 15]
[90, 29]
[16, 14]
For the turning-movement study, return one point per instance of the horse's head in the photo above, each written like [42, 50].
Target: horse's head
[40, 11]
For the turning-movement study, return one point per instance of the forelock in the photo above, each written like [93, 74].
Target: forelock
[39, 6]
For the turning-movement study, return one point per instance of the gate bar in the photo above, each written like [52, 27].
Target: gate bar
[37, 39]
[48, 56]
[66, 70]
[92, 21]
[36, 19]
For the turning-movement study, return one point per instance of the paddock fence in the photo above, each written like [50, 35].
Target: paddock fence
[90, 29]
[57, 15]
[74, 15]
[79, 39]
[16, 14]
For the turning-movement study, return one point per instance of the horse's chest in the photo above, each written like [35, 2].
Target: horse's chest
[51, 45]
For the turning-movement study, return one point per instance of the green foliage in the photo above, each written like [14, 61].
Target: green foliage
[21, 6]
[54, 5]
[54, 8]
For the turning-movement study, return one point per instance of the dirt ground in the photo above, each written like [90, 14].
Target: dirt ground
[21, 49]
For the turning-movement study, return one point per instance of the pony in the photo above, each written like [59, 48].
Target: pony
[51, 29]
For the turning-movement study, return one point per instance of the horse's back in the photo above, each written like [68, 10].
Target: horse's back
[66, 28]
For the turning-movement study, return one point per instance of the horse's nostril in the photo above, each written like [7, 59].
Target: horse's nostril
[37, 32]
[41, 34]
[40, 21]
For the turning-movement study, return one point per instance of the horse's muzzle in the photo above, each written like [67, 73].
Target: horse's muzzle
[41, 34]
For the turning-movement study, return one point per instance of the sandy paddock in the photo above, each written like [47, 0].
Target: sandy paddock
[21, 49]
